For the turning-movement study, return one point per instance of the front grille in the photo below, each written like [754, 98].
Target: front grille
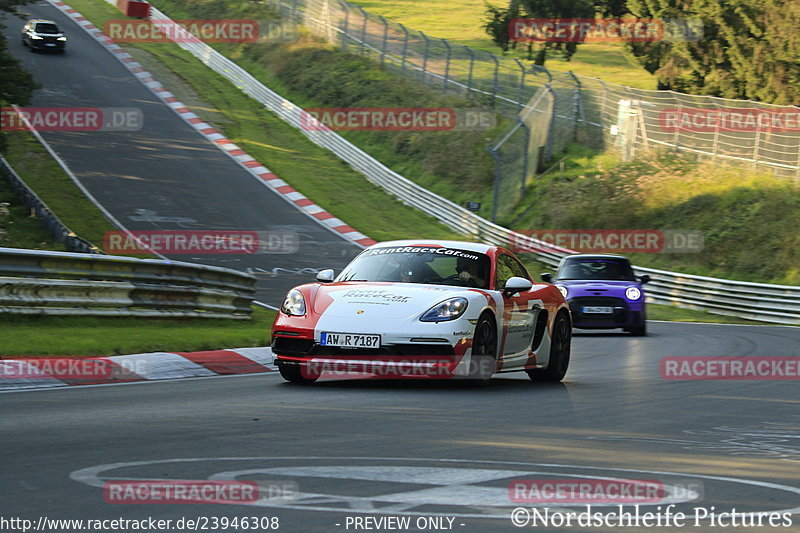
[619, 316]
[292, 346]
[392, 350]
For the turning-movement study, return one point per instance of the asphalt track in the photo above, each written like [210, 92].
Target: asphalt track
[166, 176]
[380, 449]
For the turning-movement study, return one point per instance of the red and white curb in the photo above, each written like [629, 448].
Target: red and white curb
[254, 167]
[45, 373]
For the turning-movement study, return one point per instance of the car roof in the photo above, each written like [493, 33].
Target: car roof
[594, 256]
[43, 20]
[460, 245]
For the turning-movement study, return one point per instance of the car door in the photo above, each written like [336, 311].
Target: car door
[519, 312]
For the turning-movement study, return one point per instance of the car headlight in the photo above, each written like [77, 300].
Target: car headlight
[61, 39]
[294, 303]
[563, 290]
[36, 37]
[633, 293]
[447, 310]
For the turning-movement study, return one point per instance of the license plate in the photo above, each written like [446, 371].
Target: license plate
[597, 310]
[350, 340]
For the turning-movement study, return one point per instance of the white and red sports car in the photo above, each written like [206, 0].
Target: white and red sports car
[424, 309]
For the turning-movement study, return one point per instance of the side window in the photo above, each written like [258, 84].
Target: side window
[507, 267]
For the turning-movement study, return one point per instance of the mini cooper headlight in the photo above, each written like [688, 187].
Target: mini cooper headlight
[294, 303]
[447, 310]
[632, 293]
[563, 290]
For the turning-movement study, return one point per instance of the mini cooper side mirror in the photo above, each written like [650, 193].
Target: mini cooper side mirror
[325, 276]
[644, 278]
[547, 277]
[515, 285]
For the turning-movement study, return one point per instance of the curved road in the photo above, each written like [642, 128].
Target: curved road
[166, 176]
[383, 449]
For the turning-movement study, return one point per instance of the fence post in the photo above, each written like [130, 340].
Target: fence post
[525, 151]
[497, 176]
[364, 30]
[548, 147]
[425, 55]
[346, 25]
[496, 78]
[385, 37]
[471, 68]
[756, 147]
[520, 95]
[447, 63]
[577, 105]
[405, 47]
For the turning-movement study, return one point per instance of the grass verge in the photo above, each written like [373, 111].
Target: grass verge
[72, 336]
[18, 227]
[42, 174]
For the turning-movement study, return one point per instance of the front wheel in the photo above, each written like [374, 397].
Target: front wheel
[295, 374]
[560, 347]
[484, 352]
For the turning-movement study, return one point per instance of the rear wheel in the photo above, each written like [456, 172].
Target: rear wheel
[560, 346]
[295, 374]
[484, 351]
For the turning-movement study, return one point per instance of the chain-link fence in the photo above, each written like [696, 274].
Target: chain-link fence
[555, 109]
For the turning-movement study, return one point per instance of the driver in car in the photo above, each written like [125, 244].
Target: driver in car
[469, 272]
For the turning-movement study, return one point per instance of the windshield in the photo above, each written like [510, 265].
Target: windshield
[596, 269]
[420, 264]
[46, 27]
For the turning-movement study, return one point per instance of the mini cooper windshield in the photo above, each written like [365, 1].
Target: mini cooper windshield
[420, 264]
[611, 269]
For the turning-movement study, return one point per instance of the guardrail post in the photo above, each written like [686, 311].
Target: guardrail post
[447, 64]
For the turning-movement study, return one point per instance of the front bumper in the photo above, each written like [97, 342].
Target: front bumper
[626, 314]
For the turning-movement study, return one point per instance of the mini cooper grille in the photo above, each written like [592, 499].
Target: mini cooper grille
[619, 316]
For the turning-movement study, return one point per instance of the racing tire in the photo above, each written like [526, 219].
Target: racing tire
[294, 374]
[560, 347]
[484, 352]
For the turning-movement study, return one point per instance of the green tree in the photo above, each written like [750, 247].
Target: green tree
[16, 84]
[747, 49]
[499, 19]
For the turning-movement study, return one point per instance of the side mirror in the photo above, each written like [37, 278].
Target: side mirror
[644, 278]
[325, 276]
[547, 277]
[515, 285]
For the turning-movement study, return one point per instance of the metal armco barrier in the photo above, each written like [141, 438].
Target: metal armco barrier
[62, 283]
[767, 303]
[56, 228]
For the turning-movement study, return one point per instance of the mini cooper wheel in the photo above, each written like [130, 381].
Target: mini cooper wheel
[560, 346]
[295, 374]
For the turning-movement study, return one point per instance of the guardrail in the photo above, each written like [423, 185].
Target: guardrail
[63, 283]
[56, 228]
[764, 302]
